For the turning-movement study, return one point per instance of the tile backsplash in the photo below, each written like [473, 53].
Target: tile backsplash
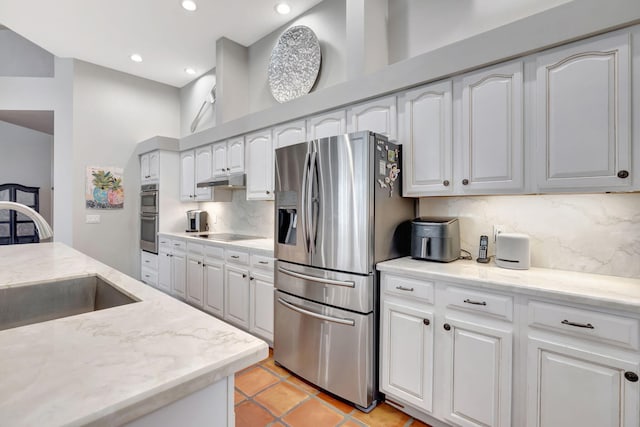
[241, 216]
[593, 233]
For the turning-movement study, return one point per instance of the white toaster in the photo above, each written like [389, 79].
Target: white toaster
[512, 251]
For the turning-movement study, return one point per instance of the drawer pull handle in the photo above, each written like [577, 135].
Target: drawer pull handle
[426, 322]
[263, 262]
[146, 275]
[402, 288]
[468, 301]
[244, 276]
[578, 325]
[631, 376]
[235, 256]
[199, 262]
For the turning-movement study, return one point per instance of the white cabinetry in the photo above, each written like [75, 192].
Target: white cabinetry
[214, 280]
[172, 266]
[289, 134]
[578, 371]
[236, 288]
[204, 163]
[259, 166]
[328, 124]
[149, 268]
[195, 274]
[378, 116]
[406, 341]
[195, 166]
[583, 130]
[261, 297]
[490, 133]
[426, 132]
[228, 157]
[150, 167]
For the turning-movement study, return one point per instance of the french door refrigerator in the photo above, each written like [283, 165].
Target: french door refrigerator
[339, 211]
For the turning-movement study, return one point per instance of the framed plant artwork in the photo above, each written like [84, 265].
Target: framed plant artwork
[104, 189]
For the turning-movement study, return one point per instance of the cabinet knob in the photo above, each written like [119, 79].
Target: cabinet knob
[465, 181]
[251, 278]
[244, 276]
[631, 376]
[623, 174]
[268, 192]
[228, 169]
[223, 169]
[199, 262]
[447, 327]
[426, 322]
[445, 182]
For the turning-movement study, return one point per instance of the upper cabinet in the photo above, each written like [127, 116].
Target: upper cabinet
[490, 133]
[378, 116]
[583, 129]
[329, 124]
[425, 116]
[259, 166]
[195, 166]
[289, 134]
[150, 167]
[187, 176]
[203, 171]
[228, 157]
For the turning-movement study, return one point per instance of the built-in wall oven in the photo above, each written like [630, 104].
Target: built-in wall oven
[149, 220]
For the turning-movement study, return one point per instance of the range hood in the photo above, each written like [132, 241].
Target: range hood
[233, 182]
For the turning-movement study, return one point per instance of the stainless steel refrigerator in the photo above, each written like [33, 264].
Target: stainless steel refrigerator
[338, 211]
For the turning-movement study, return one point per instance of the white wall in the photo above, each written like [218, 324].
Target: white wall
[112, 112]
[192, 96]
[26, 159]
[419, 26]
[594, 233]
[20, 57]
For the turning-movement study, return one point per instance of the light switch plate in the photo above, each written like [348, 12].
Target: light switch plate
[93, 219]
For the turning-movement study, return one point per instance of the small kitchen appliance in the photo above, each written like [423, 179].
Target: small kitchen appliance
[512, 251]
[196, 221]
[435, 238]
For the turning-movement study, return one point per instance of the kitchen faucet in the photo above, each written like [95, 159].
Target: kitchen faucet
[42, 226]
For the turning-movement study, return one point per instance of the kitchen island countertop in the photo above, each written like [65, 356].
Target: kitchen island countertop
[111, 366]
[604, 291]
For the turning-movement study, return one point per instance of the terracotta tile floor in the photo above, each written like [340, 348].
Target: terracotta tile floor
[267, 395]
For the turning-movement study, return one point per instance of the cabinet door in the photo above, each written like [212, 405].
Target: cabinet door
[235, 155]
[179, 273]
[214, 287]
[220, 159]
[478, 370]
[195, 281]
[289, 134]
[406, 344]
[164, 271]
[330, 124]
[236, 292]
[262, 294]
[259, 166]
[492, 135]
[426, 119]
[154, 166]
[144, 168]
[378, 116]
[204, 163]
[187, 176]
[583, 132]
[570, 387]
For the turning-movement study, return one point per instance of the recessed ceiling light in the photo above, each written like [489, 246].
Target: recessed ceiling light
[283, 8]
[136, 58]
[189, 70]
[189, 5]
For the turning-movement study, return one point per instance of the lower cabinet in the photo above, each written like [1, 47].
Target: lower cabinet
[195, 280]
[214, 286]
[179, 273]
[172, 267]
[236, 290]
[477, 367]
[261, 310]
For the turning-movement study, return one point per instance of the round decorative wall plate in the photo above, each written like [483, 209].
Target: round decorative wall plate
[295, 63]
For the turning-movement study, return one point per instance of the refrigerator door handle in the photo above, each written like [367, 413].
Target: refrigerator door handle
[304, 196]
[310, 201]
[349, 322]
[297, 275]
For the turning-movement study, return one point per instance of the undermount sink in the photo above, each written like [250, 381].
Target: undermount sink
[25, 305]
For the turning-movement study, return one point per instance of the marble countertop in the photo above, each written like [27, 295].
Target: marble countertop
[111, 366]
[618, 293]
[260, 246]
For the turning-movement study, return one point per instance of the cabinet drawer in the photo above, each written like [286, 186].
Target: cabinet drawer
[236, 257]
[164, 241]
[150, 277]
[589, 324]
[479, 301]
[149, 260]
[406, 287]
[213, 252]
[260, 261]
[195, 249]
[178, 245]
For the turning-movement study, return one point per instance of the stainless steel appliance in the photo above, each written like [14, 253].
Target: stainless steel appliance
[435, 238]
[338, 211]
[196, 221]
[149, 218]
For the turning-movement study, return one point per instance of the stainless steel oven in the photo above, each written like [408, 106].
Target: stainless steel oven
[149, 218]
